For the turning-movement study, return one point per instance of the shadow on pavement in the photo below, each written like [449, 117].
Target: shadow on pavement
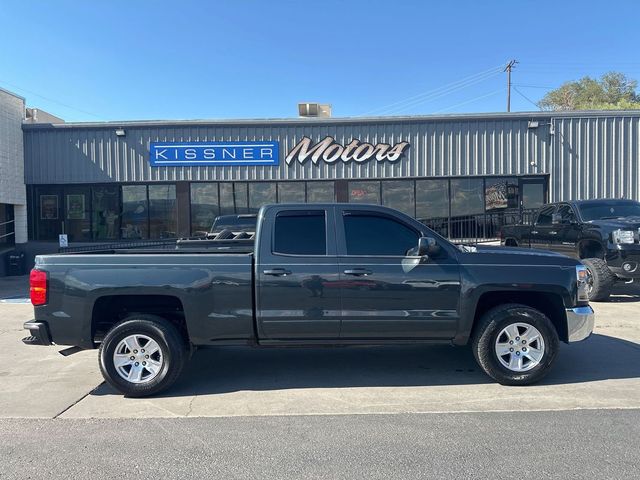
[232, 369]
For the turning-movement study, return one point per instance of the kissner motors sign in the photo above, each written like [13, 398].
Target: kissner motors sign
[330, 151]
[196, 154]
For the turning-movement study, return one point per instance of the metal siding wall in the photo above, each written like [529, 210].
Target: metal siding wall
[442, 147]
[596, 157]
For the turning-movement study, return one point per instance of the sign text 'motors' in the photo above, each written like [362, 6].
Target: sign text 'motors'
[330, 151]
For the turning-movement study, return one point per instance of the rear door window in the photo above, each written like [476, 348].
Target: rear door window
[376, 235]
[300, 232]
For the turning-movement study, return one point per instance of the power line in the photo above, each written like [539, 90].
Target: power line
[526, 98]
[437, 92]
[533, 86]
[50, 99]
[469, 101]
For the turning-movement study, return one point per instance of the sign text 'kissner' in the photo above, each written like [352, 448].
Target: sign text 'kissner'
[330, 151]
[193, 154]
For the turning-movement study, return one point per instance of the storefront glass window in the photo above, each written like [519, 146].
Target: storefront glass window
[77, 205]
[240, 195]
[135, 214]
[204, 206]
[227, 205]
[500, 193]
[432, 199]
[291, 192]
[399, 194]
[364, 192]
[105, 210]
[320, 192]
[261, 194]
[162, 211]
[467, 196]
[49, 216]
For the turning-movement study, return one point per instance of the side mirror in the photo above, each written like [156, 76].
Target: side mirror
[427, 246]
[556, 218]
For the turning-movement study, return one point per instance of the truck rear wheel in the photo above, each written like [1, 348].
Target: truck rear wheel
[515, 344]
[601, 279]
[142, 355]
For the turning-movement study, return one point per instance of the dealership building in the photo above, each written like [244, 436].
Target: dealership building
[122, 181]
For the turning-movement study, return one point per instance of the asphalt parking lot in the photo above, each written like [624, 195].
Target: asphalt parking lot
[370, 413]
[603, 372]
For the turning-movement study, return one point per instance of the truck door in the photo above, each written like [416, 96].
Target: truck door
[567, 230]
[297, 291]
[385, 292]
[543, 230]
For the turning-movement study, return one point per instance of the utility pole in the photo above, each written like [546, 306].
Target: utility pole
[508, 69]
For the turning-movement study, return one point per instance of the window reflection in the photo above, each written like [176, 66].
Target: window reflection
[320, 192]
[106, 212]
[204, 207]
[467, 196]
[399, 194]
[291, 192]
[240, 193]
[364, 192]
[261, 194]
[432, 199]
[134, 212]
[162, 211]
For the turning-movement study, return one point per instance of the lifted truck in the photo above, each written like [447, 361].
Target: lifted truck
[603, 234]
[325, 274]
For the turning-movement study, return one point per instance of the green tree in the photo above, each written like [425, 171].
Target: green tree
[613, 91]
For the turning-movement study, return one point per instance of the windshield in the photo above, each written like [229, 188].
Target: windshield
[613, 209]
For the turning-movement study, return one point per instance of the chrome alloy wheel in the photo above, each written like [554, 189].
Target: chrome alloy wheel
[519, 347]
[138, 358]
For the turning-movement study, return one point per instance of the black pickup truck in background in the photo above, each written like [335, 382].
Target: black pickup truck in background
[603, 234]
[322, 274]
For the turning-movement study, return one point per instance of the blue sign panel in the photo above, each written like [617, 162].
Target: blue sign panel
[196, 154]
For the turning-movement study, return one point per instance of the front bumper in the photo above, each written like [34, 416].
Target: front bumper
[580, 323]
[39, 334]
[624, 261]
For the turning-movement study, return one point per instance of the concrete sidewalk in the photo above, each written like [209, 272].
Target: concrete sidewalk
[602, 372]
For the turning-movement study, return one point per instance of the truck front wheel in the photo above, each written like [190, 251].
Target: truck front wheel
[515, 344]
[142, 355]
[601, 279]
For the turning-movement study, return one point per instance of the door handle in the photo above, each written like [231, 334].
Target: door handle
[277, 272]
[553, 233]
[534, 232]
[358, 272]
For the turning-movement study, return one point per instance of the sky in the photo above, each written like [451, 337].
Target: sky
[142, 60]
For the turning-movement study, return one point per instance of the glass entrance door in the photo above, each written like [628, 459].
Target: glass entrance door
[533, 193]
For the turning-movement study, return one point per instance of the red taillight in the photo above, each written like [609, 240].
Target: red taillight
[38, 287]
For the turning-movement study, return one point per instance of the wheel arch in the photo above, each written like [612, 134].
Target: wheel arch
[549, 303]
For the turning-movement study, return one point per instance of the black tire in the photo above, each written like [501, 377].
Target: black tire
[602, 279]
[172, 347]
[486, 334]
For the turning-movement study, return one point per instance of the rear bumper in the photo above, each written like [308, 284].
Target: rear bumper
[39, 334]
[580, 323]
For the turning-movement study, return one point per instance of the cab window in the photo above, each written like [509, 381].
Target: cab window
[300, 232]
[545, 216]
[375, 235]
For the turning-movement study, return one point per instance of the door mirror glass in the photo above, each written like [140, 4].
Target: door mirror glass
[556, 218]
[427, 246]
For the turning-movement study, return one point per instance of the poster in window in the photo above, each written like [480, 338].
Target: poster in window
[48, 207]
[75, 207]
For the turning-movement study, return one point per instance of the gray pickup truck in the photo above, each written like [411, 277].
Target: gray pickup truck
[325, 274]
